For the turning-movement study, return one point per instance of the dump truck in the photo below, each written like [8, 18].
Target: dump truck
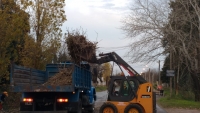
[54, 90]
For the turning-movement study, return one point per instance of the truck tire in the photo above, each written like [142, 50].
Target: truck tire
[79, 109]
[1, 107]
[91, 109]
[108, 108]
[88, 109]
[133, 108]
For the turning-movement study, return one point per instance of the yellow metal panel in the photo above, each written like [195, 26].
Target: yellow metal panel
[144, 99]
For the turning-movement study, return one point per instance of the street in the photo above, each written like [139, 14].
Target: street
[101, 97]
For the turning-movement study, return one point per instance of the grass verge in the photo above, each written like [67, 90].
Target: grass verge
[176, 101]
[100, 88]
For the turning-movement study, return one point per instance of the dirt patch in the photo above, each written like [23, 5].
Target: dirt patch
[181, 110]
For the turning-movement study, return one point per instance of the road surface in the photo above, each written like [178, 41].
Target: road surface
[102, 96]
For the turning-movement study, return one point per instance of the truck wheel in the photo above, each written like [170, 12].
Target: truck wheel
[1, 107]
[91, 109]
[133, 108]
[79, 107]
[108, 108]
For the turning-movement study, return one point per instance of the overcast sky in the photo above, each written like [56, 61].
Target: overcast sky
[101, 21]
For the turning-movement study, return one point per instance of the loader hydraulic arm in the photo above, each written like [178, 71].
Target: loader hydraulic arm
[107, 57]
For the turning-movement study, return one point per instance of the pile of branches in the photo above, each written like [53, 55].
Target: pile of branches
[80, 48]
[64, 77]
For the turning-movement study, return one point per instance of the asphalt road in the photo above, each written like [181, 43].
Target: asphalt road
[102, 96]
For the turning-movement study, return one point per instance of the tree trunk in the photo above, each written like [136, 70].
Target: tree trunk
[177, 81]
[196, 85]
[196, 77]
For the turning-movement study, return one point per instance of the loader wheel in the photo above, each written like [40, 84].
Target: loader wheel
[108, 108]
[133, 108]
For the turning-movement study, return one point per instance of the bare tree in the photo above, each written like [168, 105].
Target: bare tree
[162, 27]
[182, 39]
[144, 26]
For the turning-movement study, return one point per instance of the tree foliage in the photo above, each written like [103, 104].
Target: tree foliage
[46, 19]
[14, 28]
[106, 71]
[62, 55]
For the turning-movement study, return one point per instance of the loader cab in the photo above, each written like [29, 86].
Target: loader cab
[122, 88]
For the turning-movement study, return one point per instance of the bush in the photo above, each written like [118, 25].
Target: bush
[100, 88]
[12, 102]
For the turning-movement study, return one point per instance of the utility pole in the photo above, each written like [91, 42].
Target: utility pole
[170, 76]
[152, 78]
[146, 76]
[149, 76]
[159, 71]
[170, 53]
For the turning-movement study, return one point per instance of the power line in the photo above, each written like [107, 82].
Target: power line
[116, 47]
[113, 48]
